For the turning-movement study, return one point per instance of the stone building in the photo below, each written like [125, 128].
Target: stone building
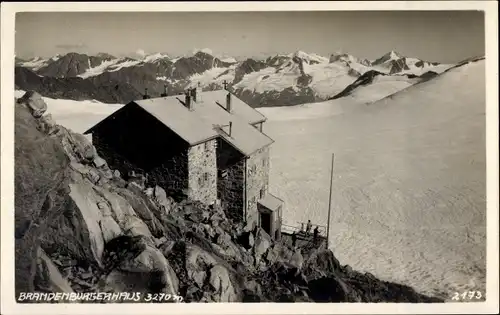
[156, 138]
[207, 144]
[243, 159]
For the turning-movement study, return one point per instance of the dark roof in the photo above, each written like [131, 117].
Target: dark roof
[207, 119]
[175, 116]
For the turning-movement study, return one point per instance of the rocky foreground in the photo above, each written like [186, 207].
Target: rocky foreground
[81, 228]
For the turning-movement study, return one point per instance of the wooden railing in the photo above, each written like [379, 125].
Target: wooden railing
[301, 228]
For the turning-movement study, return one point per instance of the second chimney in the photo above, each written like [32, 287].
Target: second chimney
[228, 102]
[164, 94]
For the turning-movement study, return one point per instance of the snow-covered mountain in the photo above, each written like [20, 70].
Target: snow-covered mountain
[284, 79]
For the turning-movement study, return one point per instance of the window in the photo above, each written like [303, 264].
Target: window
[203, 179]
[206, 146]
[262, 193]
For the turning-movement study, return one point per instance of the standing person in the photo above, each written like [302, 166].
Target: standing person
[294, 239]
[308, 227]
[316, 232]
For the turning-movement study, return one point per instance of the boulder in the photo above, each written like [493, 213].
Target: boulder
[152, 260]
[262, 243]
[110, 229]
[140, 207]
[77, 147]
[208, 231]
[149, 192]
[198, 262]
[48, 125]
[99, 162]
[78, 232]
[253, 287]
[220, 281]
[120, 208]
[48, 276]
[93, 176]
[80, 168]
[297, 260]
[122, 249]
[133, 226]
[34, 102]
[127, 281]
[167, 247]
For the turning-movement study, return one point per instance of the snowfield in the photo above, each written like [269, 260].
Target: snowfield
[381, 87]
[409, 200]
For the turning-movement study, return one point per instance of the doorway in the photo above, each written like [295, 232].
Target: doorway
[265, 222]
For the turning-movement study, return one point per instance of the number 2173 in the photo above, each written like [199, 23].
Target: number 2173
[467, 295]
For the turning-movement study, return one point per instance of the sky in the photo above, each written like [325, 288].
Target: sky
[440, 36]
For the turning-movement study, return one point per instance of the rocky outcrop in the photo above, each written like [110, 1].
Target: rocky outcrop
[82, 228]
[246, 67]
[72, 64]
[48, 276]
[41, 177]
[74, 88]
[287, 97]
[34, 102]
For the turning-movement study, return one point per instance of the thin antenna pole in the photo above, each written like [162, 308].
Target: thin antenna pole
[330, 204]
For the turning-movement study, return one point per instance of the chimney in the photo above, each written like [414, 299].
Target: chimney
[230, 127]
[145, 96]
[198, 93]
[225, 84]
[164, 94]
[228, 102]
[188, 101]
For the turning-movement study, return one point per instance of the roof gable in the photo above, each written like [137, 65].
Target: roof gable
[244, 137]
[175, 116]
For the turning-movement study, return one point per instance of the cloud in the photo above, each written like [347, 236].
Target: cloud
[71, 46]
[204, 50]
[140, 52]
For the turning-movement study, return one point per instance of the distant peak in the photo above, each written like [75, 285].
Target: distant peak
[394, 55]
[207, 51]
[154, 57]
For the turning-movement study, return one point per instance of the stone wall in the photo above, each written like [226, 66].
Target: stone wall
[257, 179]
[172, 175]
[136, 141]
[231, 180]
[231, 190]
[202, 165]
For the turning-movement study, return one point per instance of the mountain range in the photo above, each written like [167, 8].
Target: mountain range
[278, 80]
